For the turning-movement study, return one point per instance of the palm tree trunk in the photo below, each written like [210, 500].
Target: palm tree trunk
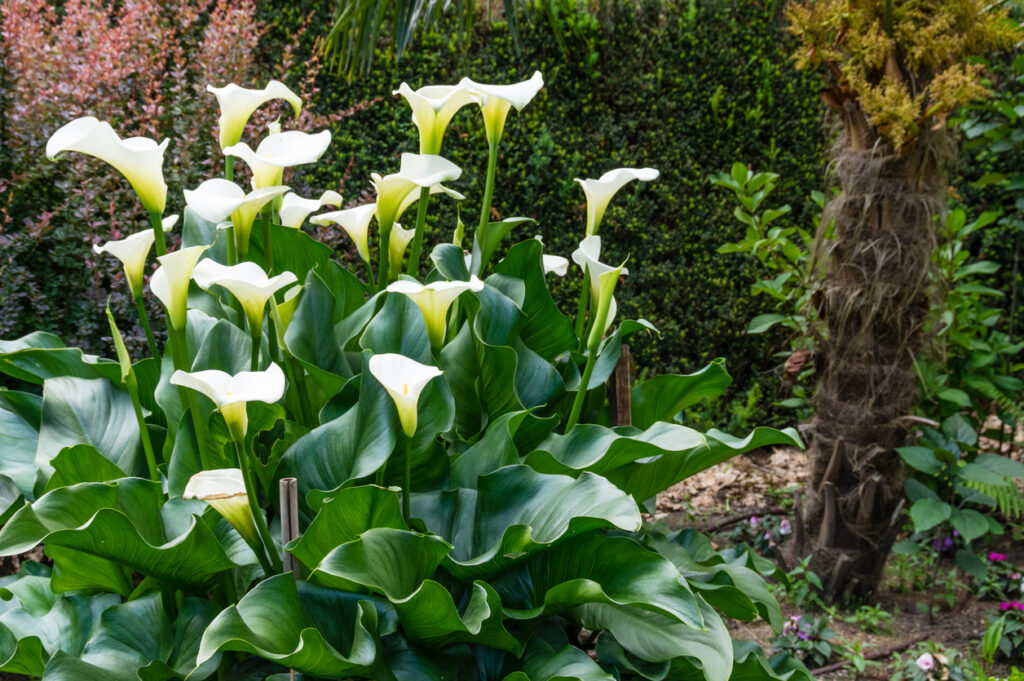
[872, 264]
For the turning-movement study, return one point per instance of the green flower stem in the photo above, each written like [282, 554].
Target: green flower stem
[485, 208]
[147, 444]
[268, 241]
[256, 331]
[413, 267]
[407, 487]
[581, 311]
[156, 219]
[273, 566]
[144, 318]
[581, 393]
[179, 353]
[383, 265]
[229, 168]
[297, 382]
[232, 251]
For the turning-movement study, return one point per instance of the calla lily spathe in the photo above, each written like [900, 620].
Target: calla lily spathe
[400, 238]
[404, 379]
[217, 199]
[295, 209]
[237, 104]
[600, 191]
[602, 283]
[555, 264]
[279, 151]
[433, 107]
[247, 282]
[496, 100]
[355, 222]
[434, 299]
[231, 393]
[224, 490]
[170, 282]
[132, 251]
[139, 159]
[397, 191]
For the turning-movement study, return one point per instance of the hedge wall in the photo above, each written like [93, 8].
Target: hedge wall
[647, 86]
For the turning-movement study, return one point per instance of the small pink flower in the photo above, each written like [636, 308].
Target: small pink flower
[1015, 576]
[754, 522]
[1012, 605]
[767, 536]
[996, 557]
[785, 528]
[926, 662]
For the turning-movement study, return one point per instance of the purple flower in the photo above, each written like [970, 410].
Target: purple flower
[1012, 605]
[767, 536]
[754, 522]
[803, 635]
[926, 662]
[784, 527]
[996, 557]
[947, 543]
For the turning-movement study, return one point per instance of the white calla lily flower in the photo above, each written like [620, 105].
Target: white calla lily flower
[139, 159]
[433, 107]
[600, 191]
[217, 199]
[279, 151]
[404, 379]
[231, 393]
[496, 100]
[602, 282]
[434, 299]
[355, 222]
[170, 282]
[295, 209]
[555, 264]
[132, 251]
[397, 191]
[400, 238]
[237, 104]
[224, 490]
[247, 282]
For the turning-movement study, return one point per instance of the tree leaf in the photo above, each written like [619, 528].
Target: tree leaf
[662, 397]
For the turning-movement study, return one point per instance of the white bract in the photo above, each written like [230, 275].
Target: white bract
[132, 251]
[400, 238]
[404, 379]
[237, 104]
[434, 299]
[217, 199]
[602, 282]
[295, 208]
[496, 100]
[555, 264]
[279, 151]
[170, 282]
[395, 192]
[600, 191]
[224, 490]
[355, 222]
[432, 109]
[139, 159]
[247, 282]
[231, 393]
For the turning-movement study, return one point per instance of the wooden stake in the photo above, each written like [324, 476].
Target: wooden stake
[289, 494]
[619, 389]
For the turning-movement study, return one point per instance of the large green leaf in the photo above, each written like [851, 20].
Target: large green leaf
[750, 664]
[350, 447]
[545, 330]
[119, 523]
[643, 463]
[594, 568]
[40, 355]
[81, 463]
[294, 251]
[88, 411]
[310, 335]
[516, 511]
[398, 328]
[544, 663]
[662, 397]
[225, 348]
[20, 416]
[498, 447]
[321, 632]
[656, 638]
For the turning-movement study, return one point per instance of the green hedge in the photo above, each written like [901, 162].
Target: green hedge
[646, 87]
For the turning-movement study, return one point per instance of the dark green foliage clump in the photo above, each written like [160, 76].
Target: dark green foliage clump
[653, 85]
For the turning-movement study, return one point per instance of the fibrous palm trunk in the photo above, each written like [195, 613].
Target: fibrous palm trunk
[872, 261]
